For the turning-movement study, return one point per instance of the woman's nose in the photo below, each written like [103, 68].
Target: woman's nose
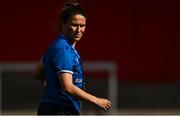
[78, 29]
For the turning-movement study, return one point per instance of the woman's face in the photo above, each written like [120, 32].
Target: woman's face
[74, 28]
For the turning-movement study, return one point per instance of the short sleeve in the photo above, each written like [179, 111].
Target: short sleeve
[63, 61]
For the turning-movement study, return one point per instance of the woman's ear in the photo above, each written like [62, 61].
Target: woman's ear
[63, 26]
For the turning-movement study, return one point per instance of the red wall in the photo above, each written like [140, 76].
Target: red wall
[141, 36]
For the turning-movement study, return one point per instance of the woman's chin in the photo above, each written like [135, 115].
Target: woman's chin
[77, 38]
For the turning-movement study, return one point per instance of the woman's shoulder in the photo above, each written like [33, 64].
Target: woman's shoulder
[62, 45]
[60, 42]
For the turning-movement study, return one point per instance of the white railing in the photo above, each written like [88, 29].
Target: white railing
[110, 67]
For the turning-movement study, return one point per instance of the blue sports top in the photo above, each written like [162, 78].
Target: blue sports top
[61, 57]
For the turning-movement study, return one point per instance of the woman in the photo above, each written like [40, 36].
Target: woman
[62, 70]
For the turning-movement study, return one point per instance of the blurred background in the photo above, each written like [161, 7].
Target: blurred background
[130, 52]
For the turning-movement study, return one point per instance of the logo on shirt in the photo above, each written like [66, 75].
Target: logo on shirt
[78, 81]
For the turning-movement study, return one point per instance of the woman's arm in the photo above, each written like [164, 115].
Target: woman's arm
[69, 87]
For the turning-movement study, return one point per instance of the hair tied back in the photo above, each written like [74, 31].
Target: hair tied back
[70, 3]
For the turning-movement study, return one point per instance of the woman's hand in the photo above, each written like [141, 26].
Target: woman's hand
[103, 103]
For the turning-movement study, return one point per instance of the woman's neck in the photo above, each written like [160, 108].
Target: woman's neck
[72, 42]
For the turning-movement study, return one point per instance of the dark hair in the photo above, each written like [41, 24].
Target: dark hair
[70, 9]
